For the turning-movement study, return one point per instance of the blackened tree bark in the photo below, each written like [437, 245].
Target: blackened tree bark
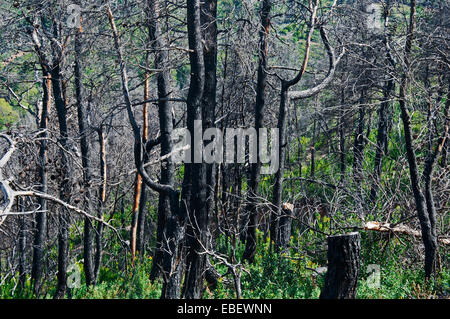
[428, 234]
[433, 153]
[41, 217]
[382, 133]
[208, 17]
[278, 187]
[342, 154]
[139, 202]
[250, 245]
[135, 213]
[284, 228]
[194, 183]
[65, 178]
[101, 199]
[282, 117]
[22, 221]
[165, 209]
[175, 228]
[140, 228]
[296, 95]
[313, 151]
[358, 151]
[85, 155]
[343, 267]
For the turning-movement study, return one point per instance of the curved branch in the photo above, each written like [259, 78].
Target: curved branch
[295, 95]
[136, 130]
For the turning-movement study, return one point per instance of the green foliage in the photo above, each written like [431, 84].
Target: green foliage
[291, 276]
[134, 284]
[8, 115]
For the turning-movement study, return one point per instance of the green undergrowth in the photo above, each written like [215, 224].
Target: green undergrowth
[287, 275]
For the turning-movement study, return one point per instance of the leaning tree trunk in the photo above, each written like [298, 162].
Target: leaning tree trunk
[343, 267]
[175, 231]
[428, 177]
[426, 225]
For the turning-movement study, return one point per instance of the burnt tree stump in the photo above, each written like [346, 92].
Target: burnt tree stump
[341, 278]
[285, 226]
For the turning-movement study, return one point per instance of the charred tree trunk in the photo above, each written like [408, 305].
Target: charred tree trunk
[282, 117]
[381, 139]
[135, 212]
[65, 167]
[284, 228]
[41, 217]
[343, 267]
[313, 151]
[165, 209]
[175, 230]
[22, 243]
[382, 134]
[194, 184]
[101, 198]
[139, 191]
[342, 157]
[432, 156]
[250, 245]
[358, 152]
[142, 212]
[428, 235]
[142, 217]
[208, 17]
[278, 187]
[85, 157]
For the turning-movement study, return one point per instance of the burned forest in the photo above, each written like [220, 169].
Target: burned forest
[224, 149]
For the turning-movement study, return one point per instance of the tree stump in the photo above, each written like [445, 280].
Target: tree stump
[285, 225]
[341, 278]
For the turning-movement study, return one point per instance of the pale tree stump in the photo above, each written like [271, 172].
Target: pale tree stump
[285, 226]
[341, 278]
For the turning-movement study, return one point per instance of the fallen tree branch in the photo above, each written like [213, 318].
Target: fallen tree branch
[399, 229]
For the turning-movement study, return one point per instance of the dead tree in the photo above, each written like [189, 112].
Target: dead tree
[250, 245]
[165, 210]
[285, 96]
[65, 163]
[426, 218]
[41, 217]
[388, 89]
[88, 264]
[341, 278]
[194, 182]
[175, 228]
